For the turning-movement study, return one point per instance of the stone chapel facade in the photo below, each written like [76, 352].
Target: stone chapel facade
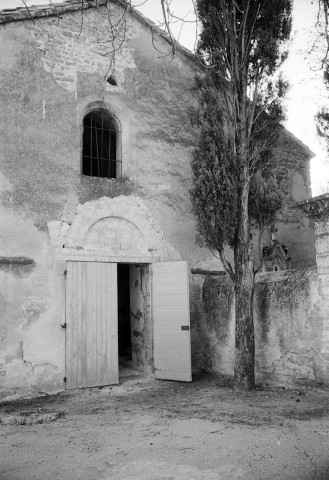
[96, 221]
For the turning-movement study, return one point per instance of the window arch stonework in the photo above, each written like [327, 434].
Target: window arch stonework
[101, 138]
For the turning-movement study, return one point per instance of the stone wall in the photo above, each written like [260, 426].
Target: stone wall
[290, 324]
[212, 323]
[289, 329]
[317, 209]
[291, 315]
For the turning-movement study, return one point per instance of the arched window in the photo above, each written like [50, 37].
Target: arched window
[100, 145]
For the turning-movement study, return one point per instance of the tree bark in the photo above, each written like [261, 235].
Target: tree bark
[244, 285]
[244, 374]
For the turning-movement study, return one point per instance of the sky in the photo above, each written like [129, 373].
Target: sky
[307, 92]
[185, 32]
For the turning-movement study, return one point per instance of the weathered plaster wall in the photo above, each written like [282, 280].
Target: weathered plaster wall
[141, 318]
[31, 340]
[289, 328]
[291, 322]
[322, 260]
[212, 323]
[50, 74]
[58, 72]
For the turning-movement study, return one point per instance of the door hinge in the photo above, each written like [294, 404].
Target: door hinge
[185, 327]
[64, 379]
[65, 273]
[63, 325]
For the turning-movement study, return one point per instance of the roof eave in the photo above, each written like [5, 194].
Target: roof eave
[67, 6]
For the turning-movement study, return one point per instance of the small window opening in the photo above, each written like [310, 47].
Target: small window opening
[99, 157]
[112, 81]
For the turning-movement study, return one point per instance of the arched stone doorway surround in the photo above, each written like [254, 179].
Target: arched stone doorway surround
[118, 227]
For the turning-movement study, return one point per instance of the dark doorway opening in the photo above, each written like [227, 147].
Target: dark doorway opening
[134, 320]
[124, 326]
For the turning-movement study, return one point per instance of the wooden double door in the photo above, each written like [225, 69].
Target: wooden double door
[91, 345]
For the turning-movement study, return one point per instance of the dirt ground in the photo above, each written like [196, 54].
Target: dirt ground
[154, 430]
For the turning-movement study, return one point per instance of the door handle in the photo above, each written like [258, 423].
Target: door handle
[185, 327]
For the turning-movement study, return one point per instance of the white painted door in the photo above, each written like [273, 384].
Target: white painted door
[171, 314]
[91, 324]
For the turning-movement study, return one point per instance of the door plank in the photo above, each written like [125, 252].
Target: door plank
[91, 318]
[171, 310]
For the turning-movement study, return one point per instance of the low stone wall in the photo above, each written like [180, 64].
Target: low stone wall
[290, 327]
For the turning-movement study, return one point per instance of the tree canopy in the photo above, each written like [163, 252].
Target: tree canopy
[241, 45]
[240, 101]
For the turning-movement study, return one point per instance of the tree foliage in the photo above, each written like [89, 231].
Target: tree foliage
[322, 117]
[241, 45]
[217, 170]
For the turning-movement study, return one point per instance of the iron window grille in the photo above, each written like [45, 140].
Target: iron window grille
[100, 146]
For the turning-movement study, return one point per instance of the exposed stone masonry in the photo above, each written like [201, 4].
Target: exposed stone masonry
[69, 47]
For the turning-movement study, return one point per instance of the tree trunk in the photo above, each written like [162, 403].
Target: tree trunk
[244, 285]
[244, 375]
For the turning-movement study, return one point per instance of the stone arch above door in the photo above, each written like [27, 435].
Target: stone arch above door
[120, 227]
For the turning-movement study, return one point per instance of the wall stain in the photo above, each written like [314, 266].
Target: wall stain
[18, 266]
[93, 188]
